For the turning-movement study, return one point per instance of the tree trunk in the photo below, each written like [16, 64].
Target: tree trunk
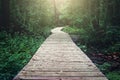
[5, 14]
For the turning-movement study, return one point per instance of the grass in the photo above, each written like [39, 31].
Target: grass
[15, 52]
[72, 30]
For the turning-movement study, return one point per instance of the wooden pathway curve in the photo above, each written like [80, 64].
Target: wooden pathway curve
[59, 58]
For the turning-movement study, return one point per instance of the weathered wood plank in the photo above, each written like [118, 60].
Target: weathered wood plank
[61, 74]
[63, 78]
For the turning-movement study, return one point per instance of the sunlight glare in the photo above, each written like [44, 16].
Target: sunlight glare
[58, 3]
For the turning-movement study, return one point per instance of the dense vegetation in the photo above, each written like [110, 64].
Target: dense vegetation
[98, 24]
[15, 52]
[24, 24]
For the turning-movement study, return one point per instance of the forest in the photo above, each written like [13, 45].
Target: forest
[25, 24]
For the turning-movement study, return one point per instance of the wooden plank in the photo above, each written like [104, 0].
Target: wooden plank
[61, 78]
[61, 74]
[62, 69]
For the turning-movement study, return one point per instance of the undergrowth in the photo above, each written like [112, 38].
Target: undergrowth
[15, 52]
[103, 51]
[72, 30]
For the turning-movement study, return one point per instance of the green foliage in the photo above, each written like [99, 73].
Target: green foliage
[82, 47]
[15, 52]
[31, 16]
[46, 31]
[30, 22]
[114, 75]
[94, 20]
[98, 24]
[104, 67]
[72, 30]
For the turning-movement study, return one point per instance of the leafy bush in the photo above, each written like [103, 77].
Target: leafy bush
[71, 30]
[15, 52]
[114, 75]
[104, 67]
[111, 75]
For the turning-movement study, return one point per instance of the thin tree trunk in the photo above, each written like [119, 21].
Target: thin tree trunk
[56, 14]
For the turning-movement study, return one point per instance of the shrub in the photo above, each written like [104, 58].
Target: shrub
[15, 52]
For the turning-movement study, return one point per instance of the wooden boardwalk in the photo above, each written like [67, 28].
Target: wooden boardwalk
[59, 58]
